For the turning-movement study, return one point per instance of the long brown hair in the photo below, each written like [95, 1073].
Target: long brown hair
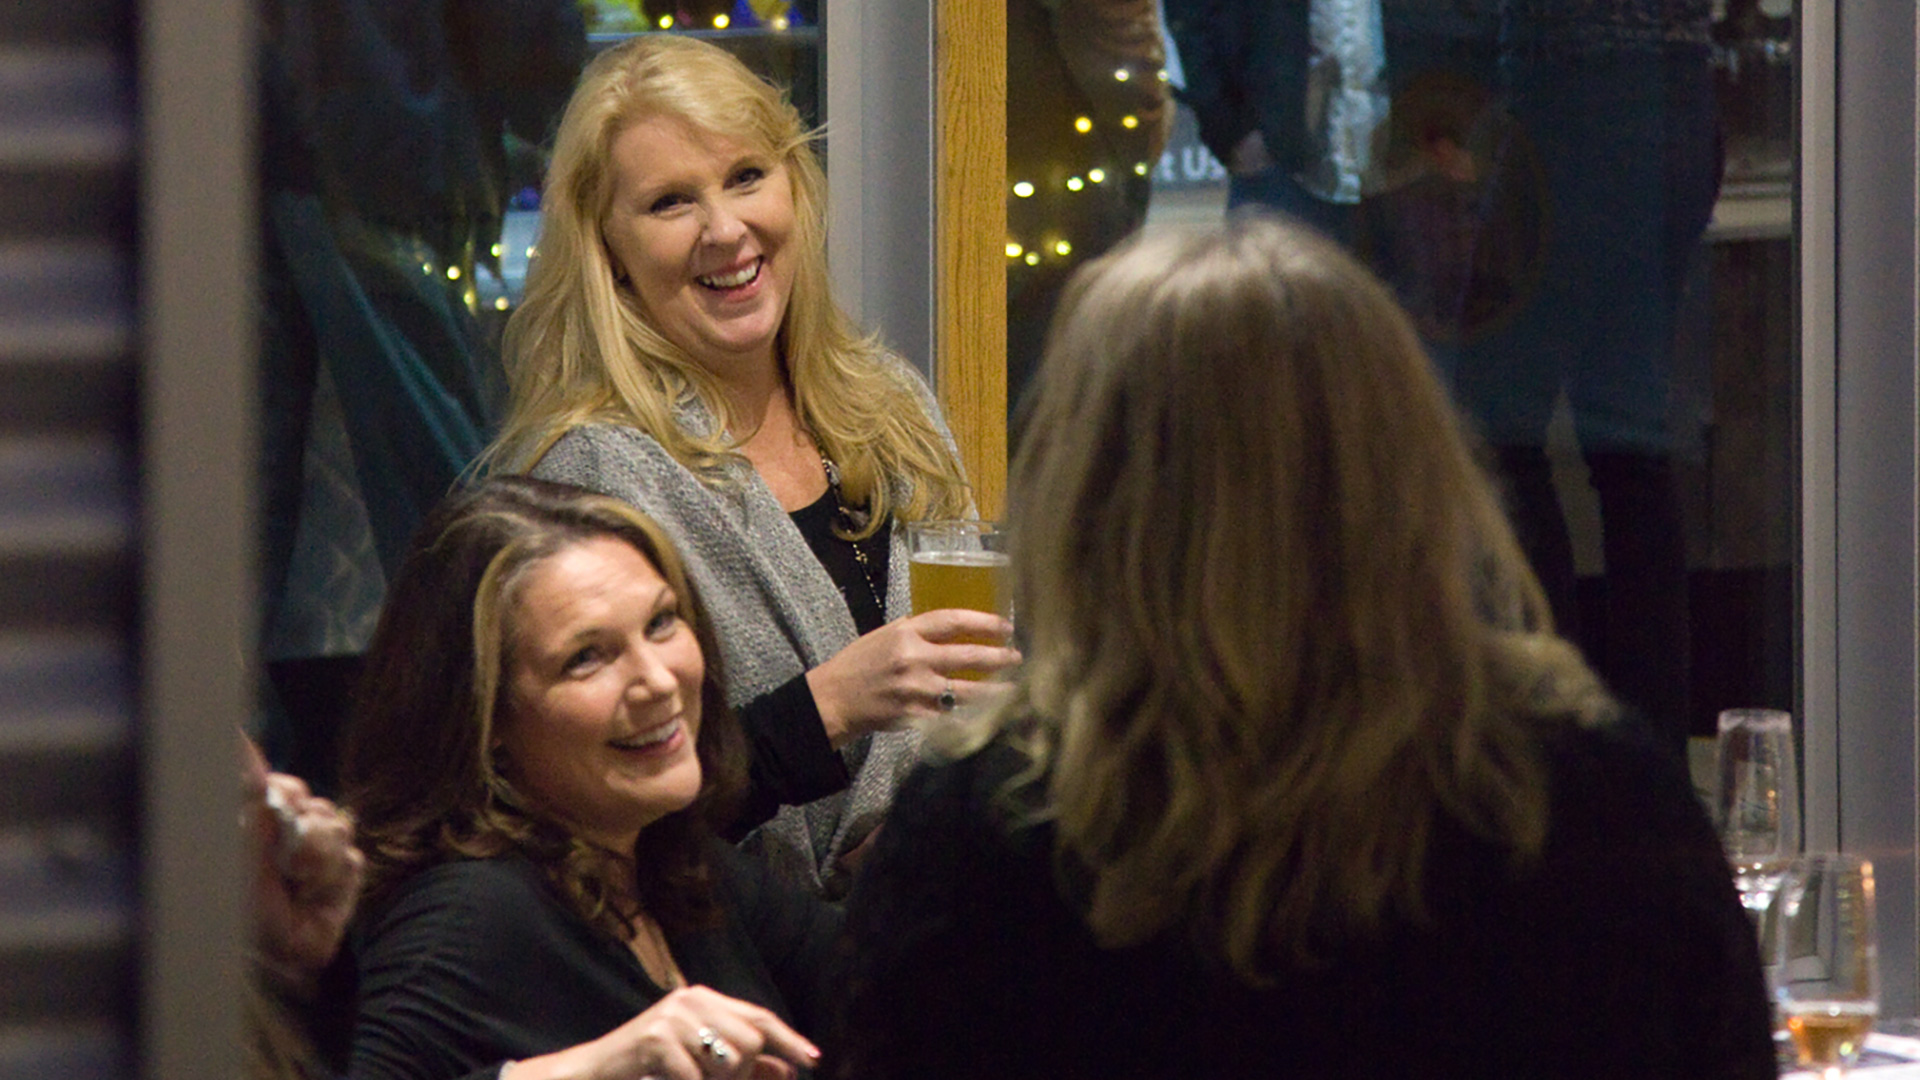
[419, 771]
[1277, 623]
[579, 349]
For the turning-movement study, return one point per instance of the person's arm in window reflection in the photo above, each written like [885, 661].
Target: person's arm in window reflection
[1114, 52]
[1211, 54]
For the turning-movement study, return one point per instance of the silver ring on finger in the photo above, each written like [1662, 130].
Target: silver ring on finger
[946, 700]
[715, 1047]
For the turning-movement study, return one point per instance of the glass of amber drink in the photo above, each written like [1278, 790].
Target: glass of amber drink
[953, 563]
[1826, 975]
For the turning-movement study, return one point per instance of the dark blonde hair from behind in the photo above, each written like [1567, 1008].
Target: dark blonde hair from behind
[579, 349]
[1277, 623]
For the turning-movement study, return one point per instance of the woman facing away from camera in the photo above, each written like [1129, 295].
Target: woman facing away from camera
[1296, 778]
[536, 762]
[678, 347]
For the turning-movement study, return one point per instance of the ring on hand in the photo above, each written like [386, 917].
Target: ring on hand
[946, 699]
[714, 1045]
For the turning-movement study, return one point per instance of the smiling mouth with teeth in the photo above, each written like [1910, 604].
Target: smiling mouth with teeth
[648, 739]
[742, 276]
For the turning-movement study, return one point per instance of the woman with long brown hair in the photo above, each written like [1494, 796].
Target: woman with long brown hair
[538, 763]
[1296, 777]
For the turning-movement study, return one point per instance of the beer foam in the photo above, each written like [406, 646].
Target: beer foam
[960, 558]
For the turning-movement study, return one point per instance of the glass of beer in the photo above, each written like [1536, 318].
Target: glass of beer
[953, 563]
[1826, 967]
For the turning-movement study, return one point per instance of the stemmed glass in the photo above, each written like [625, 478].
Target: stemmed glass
[1826, 978]
[1757, 807]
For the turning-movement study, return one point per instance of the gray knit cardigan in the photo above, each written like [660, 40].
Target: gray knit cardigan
[774, 610]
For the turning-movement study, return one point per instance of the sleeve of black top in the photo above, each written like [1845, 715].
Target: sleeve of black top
[797, 934]
[789, 760]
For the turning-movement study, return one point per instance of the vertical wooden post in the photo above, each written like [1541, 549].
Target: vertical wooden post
[971, 216]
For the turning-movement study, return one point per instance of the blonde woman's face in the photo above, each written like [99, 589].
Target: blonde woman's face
[701, 231]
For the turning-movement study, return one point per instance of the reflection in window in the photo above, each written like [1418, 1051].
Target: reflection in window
[1584, 204]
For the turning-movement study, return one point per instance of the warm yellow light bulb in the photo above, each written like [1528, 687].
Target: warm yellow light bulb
[780, 22]
[1061, 247]
[1098, 176]
[500, 304]
[1014, 250]
[1023, 189]
[1074, 183]
[453, 273]
[666, 22]
[1129, 121]
[1083, 125]
[1122, 74]
[1033, 258]
[494, 251]
[532, 251]
[1139, 168]
[721, 21]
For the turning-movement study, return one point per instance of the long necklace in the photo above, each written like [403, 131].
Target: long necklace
[850, 522]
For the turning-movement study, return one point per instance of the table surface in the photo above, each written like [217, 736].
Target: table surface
[1887, 1057]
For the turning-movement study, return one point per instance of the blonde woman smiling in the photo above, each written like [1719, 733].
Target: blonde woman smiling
[678, 348]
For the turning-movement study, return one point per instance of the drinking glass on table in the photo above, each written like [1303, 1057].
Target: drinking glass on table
[1757, 801]
[1826, 979]
[953, 563]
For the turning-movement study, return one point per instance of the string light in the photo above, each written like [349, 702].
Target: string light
[721, 21]
[780, 22]
[666, 22]
[1074, 183]
[1162, 75]
[501, 304]
[1139, 168]
[1014, 250]
[1122, 74]
[453, 273]
[426, 268]
[1023, 189]
[494, 251]
[1098, 176]
[1033, 258]
[1062, 248]
[1129, 121]
[1083, 125]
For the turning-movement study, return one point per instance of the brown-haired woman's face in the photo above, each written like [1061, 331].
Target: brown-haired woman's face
[602, 706]
[701, 226]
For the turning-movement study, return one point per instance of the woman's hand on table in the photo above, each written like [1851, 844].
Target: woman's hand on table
[691, 1034]
[911, 667]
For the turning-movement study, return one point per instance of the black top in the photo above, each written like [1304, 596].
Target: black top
[857, 567]
[1622, 952]
[477, 962]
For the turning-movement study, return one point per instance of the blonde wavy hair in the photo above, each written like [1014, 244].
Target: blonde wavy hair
[580, 350]
[1277, 624]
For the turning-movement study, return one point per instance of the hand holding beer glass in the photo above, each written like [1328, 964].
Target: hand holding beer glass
[959, 564]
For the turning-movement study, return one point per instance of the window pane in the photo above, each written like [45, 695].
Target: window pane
[1586, 208]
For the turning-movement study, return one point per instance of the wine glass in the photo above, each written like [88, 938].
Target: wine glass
[1757, 801]
[1826, 977]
